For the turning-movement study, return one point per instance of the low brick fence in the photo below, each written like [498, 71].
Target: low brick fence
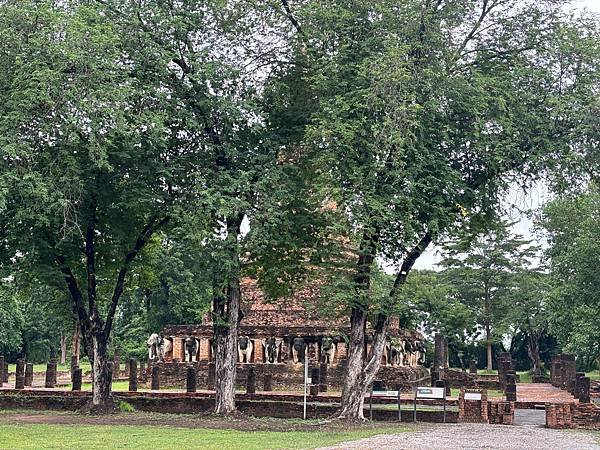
[573, 415]
[182, 403]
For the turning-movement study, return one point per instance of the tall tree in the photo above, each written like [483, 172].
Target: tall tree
[427, 111]
[483, 273]
[90, 168]
[573, 230]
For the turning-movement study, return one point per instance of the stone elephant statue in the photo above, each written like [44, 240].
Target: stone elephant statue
[191, 345]
[272, 347]
[245, 348]
[395, 352]
[299, 349]
[153, 343]
[327, 350]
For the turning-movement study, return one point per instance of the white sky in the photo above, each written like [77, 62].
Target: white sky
[518, 203]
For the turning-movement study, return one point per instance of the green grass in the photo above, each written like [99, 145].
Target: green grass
[524, 377]
[491, 393]
[487, 372]
[594, 375]
[85, 366]
[38, 436]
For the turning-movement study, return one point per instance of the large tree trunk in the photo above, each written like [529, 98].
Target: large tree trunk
[226, 325]
[354, 387]
[533, 351]
[361, 369]
[226, 339]
[102, 375]
[63, 348]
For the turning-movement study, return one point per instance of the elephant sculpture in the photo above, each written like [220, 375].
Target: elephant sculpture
[411, 352]
[421, 351]
[395, 352]
[327, 350]
[191, 349]
[153, 343]
[299, 349]
[271, 349]
[245, 348]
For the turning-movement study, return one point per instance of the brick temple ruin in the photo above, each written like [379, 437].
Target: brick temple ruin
[276, 337]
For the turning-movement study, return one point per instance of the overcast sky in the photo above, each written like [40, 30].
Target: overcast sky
[518, 203]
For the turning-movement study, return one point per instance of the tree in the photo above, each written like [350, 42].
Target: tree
[90, 172]
[483, 273]
[573, 229]
[426, 112]
[527, 313]
[429, 301]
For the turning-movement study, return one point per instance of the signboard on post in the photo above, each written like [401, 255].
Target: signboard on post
[429, 393]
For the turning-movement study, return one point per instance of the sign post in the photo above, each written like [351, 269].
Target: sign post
[429, 393]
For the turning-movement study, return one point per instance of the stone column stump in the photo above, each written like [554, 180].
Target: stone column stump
[76, 376]
[251, 381]
[268, 382]
[191, 379]
[323, 377]
[133, 375]
[155, 383]
[29, 374]
[20, 374]
[50, 381]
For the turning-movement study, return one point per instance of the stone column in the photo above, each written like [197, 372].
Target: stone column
[511, 386]
[155, 383]
[133, 375]
[204, 349]
[74, 364]
[570, 371]
[20, 374]
[323, 377]
[211, 376]
[268, 382]
[251, 381]
[77, 375]
[583, 389]
[50, 381]
[440, 355]
[314, 381]
[2, 363]
[5, 373]
[190, 382]
[473, 367]
[29, 374]
[258, 351]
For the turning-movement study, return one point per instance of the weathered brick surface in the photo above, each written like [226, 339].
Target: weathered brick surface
[501, 413]
[472, 411]
[290, 375]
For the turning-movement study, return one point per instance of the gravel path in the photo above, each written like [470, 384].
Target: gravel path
[478, 436]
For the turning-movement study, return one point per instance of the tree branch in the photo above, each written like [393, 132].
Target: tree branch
[153, 224]
[290, 16]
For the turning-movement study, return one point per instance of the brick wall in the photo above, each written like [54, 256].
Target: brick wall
[472, 411]
[289, 376]
[573, 415]
[501, 413]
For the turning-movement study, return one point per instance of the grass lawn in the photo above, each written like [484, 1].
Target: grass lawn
[85, 366]
[190, 432]
[487, 372]
[594, 375]
[43, 436]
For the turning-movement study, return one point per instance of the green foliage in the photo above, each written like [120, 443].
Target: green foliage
[126, 407]
[573, 228]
